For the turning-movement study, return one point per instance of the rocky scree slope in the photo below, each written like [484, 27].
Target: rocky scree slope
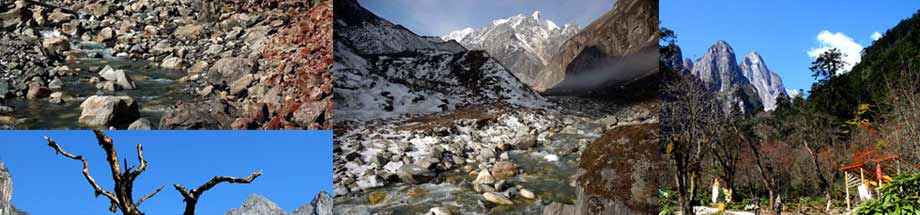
[254, 64]
[385, 71]
[523, 44]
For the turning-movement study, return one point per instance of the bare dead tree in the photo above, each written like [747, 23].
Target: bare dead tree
[904, 96]
[191, 197]
[687, 113]
[122, 199]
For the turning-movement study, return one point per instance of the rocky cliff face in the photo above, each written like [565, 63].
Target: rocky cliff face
[524, 44]
[768, 84]
[6, 193]
[618, 48]
[258, 205]
[719, 70]
[321, 205]
[384, 71]
[749, 83]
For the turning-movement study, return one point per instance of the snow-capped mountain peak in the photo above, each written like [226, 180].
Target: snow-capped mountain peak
[523, 43]
[457, 35]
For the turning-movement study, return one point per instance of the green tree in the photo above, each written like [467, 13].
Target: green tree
[827, 65]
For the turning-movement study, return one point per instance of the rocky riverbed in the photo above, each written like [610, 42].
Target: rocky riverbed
[476, 160]
[165, 64]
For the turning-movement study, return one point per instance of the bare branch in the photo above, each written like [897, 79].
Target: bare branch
[89, 178]
[191, 197]
[111, 155]
[138, 203]
[140, 158]
[218, 179]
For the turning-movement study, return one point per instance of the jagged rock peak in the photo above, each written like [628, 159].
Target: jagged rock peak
[257, 205]
[321, 205]
[718, 67]
[524, 44]
[767, 83]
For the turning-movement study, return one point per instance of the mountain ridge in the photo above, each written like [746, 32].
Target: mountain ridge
[523, 43]
[384, 71]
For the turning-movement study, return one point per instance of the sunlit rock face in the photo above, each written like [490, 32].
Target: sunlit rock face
[523, 43]
[6, 193]
[619, 48]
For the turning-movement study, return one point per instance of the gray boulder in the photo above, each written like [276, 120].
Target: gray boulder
[118, 76]
[211, 114]
[108, 110]
[140, 124]
[228, 70]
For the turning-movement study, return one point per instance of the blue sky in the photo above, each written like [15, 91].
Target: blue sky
[296, 164]
[782, 31]
[439, 17]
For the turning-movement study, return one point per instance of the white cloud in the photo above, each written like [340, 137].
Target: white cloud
[876, 35]
[842, 42]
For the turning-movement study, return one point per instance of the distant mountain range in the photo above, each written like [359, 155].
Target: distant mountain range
[524, 44]
[749, 83]
[258, 205]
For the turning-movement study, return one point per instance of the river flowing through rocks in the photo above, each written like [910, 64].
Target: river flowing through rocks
[476, 160]
[156, 89]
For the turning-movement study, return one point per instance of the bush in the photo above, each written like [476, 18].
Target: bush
[901, 196]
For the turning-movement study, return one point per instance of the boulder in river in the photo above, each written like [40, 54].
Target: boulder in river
[108, 110]
[504, 170]
[56, 98]
[413, 174]
[118, 76]
[484, 177]
[140, 124]
[56, 84]
[105, 34]
[37, 91]
[173, 63]
[497, 198]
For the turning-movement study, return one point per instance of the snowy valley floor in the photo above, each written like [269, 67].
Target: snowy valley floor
[475, 160]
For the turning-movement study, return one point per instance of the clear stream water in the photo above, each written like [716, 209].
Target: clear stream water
[549, 180]
[157, 89]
